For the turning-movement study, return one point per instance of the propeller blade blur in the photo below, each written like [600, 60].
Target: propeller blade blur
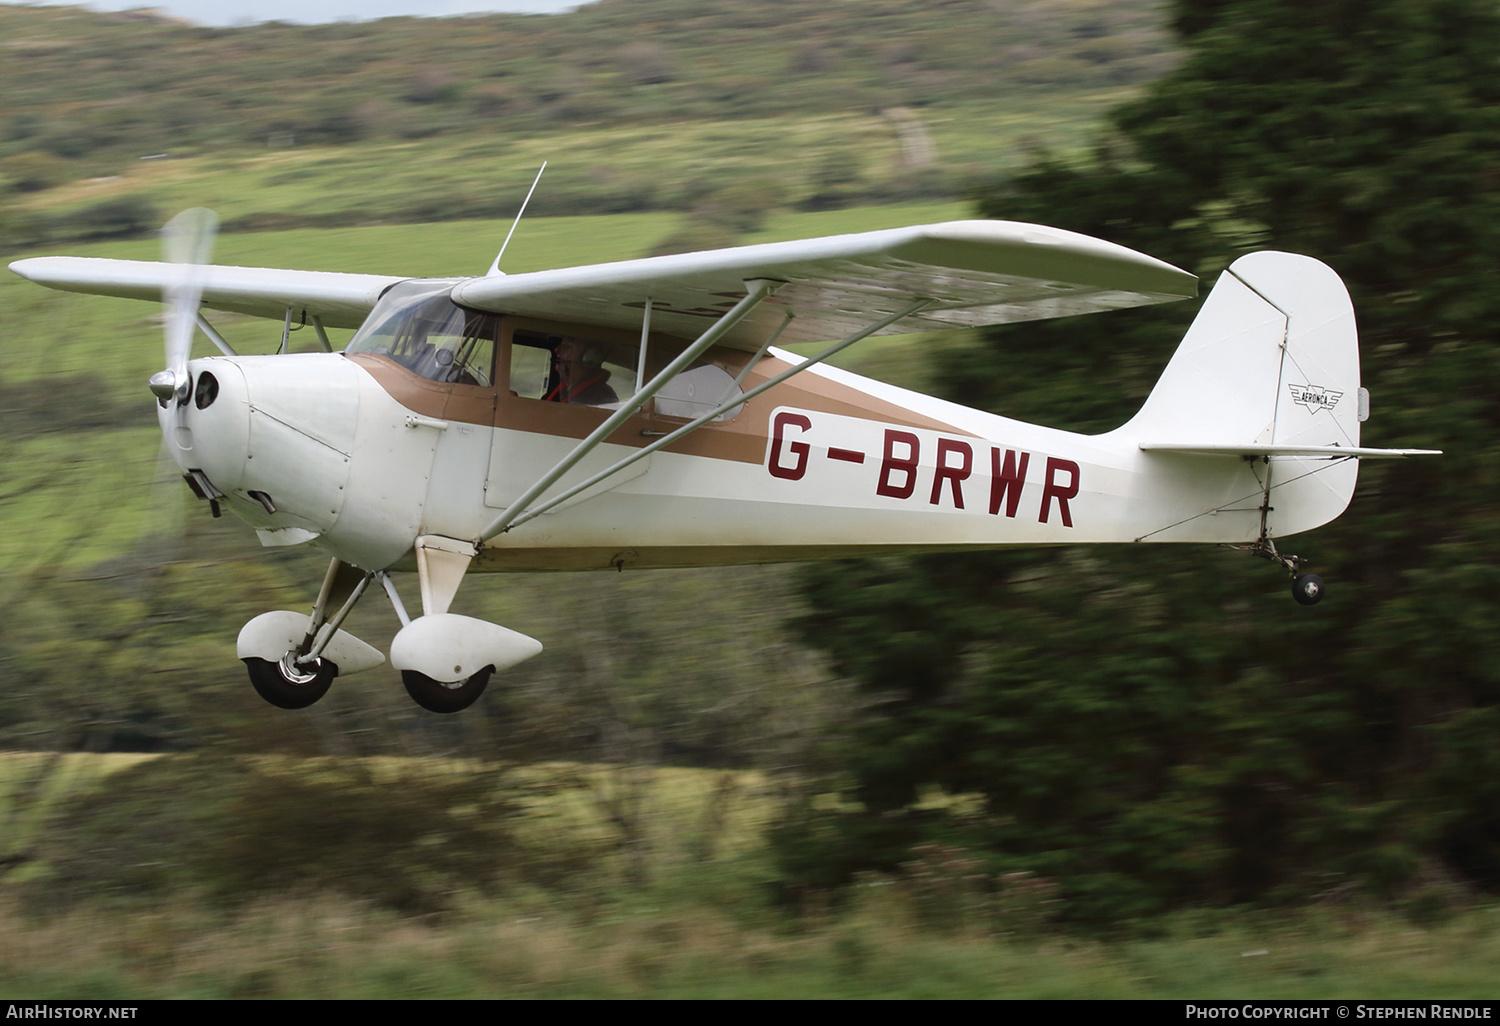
[188, 240]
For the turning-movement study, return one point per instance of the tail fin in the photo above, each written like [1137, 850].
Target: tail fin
[1270, 368]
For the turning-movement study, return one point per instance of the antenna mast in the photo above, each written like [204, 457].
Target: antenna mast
[495, 267]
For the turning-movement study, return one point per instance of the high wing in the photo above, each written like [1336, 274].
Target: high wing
[974, 272]
[338, 300]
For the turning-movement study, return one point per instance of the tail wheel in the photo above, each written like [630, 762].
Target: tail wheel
[444, 697]
[288, 686]
[1307, 589]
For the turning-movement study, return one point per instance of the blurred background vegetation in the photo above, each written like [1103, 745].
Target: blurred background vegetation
[725, 109]
[921, 776]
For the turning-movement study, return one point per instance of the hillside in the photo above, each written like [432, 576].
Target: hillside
[112, 120]
[76, 81]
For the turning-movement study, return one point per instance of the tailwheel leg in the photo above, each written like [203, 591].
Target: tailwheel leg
[1307, 589]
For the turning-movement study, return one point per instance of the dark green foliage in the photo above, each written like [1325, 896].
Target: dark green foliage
[695, 236]
[235, 831]
[1160, 727]
[33, 171]
[32, 407]
[112, 218]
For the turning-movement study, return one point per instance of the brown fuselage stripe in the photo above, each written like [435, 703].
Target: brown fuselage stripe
[741, 439]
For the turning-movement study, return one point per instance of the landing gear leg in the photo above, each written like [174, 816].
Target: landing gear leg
[445, 659]
[311, 649]
[1307, 589]
[342, 587]
[439, 696]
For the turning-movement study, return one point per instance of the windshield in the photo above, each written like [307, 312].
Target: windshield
[419, 327]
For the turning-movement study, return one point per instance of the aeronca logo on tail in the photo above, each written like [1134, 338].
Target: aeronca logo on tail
[1315, 397]
[924, 468]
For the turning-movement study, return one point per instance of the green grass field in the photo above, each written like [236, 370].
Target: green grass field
[697, 926]
[334, 949]
[624, 166]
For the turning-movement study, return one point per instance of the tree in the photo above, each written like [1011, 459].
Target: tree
[1156, 727]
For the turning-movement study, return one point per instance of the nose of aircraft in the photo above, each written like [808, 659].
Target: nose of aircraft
[270, 437]
[210, 432]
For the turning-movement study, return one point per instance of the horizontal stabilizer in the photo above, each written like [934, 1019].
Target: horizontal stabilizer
[1330, 451]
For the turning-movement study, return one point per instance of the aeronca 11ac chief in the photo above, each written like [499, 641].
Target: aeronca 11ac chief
[637, 414]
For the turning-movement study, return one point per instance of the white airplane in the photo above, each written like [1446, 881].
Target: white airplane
[636, 414]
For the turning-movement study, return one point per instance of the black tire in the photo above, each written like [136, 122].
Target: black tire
[286, 687]
[436, 696]
[1307, 589]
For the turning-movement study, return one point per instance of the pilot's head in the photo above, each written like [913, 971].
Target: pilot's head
[575, 359]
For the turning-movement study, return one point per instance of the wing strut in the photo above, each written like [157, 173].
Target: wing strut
[640, 367]
[757, 289]
[317, 323]
[729, 402]
[214, 336]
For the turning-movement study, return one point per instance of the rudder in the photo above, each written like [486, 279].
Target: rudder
[1271, 360]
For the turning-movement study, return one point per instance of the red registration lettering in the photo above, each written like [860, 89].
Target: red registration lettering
[799, 450]
[907, 465]
[945, 472]
[1052, 490]
[1006, 480]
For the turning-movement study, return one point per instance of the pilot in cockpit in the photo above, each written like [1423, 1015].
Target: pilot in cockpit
[579, 375]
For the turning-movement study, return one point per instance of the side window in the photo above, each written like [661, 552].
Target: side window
[530, 368]
[472, 352]
[571, 369]
[697, 391]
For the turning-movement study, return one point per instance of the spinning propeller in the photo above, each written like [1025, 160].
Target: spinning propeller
[186, 240]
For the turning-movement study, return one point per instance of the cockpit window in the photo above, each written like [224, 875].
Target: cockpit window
[419, 327]
[571, 369]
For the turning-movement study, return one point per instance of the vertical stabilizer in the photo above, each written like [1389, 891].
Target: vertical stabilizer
[1271, 360]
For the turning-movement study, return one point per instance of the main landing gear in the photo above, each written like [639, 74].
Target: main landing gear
[288, 686]
[442, 697]
[292, 657]
[1307, 589]
[446, 660]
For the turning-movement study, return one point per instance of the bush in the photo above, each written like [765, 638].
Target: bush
[113, 218]
[33, 171]
[237, 830]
